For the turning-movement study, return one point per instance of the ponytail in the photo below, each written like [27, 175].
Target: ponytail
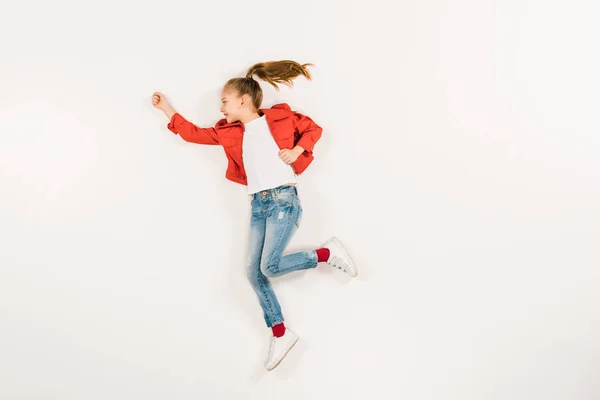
[273, 72]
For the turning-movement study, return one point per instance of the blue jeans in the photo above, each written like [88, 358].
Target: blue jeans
[276, 215]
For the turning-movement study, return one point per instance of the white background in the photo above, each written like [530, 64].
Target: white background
[459, 163]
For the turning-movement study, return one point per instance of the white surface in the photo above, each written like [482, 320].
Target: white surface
[459, 163]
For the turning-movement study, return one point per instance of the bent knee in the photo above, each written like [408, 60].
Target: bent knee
[268, 270]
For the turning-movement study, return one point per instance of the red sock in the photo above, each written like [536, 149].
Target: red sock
[278, 330]
[323, 254]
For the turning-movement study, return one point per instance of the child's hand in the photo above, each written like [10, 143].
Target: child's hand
[288, 155]
[159, 101]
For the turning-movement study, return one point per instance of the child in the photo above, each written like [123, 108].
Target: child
[277, 146]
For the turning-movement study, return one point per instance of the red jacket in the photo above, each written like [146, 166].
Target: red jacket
[288, 128]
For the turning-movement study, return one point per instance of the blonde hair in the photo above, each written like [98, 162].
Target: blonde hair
[273, 72]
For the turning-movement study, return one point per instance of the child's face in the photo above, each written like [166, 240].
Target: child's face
[231, 105]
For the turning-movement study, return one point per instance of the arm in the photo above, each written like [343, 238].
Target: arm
[190, 132]
[169, 111]
[309, 131]
[179, 125]
[298, 149]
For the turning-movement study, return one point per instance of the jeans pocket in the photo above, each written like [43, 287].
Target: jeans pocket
[286, 198]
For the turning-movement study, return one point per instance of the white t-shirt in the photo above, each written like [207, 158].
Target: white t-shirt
[264, 168]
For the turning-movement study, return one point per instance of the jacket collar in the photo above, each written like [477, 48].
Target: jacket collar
[275, 113]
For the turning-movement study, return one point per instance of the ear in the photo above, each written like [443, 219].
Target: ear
[246, 99]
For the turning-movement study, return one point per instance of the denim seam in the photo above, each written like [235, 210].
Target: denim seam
[271, 312]
[295, 268]
[262, 281]
[282, 231]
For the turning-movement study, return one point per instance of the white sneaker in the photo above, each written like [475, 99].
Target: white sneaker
[339, 258]
[280, 346]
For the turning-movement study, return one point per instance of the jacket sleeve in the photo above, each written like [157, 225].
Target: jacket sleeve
[190, 132]
[309, 132]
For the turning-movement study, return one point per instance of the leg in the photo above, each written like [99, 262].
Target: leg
[283, 339]
[261, 285]
[282, 221]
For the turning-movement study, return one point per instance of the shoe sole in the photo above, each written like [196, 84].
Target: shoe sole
[284, 354]
[343, 250]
